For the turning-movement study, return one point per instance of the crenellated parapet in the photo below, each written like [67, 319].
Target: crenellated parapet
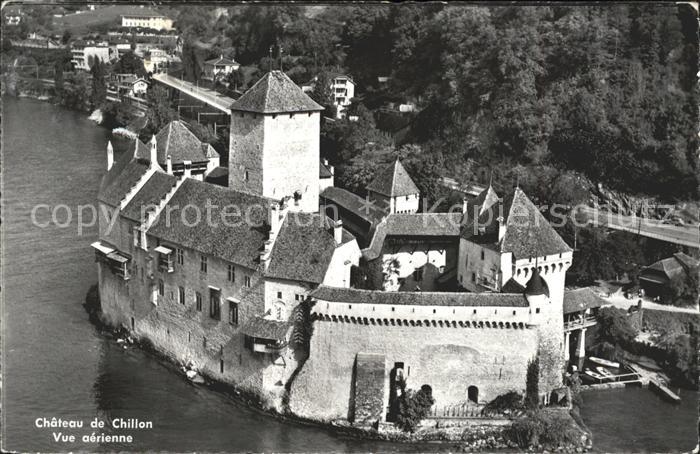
[422, 309]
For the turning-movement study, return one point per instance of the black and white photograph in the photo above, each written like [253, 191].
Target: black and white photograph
[350, 227]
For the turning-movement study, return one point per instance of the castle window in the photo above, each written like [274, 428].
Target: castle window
[161, 287]
[198, 301]
[214, 304]
[537, 311]
[247, 281]
[231, 273]
[180, 255]
[203, 264]
[418, 274]
[482, 254]
[233, 313]
[181, 294]
[473, 277]
[279, 295]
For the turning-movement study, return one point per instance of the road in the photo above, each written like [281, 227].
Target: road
[688, 235]
[652, 228]
[211, 97]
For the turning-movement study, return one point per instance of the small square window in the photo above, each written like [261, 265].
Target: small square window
[279, 295]
[537, 311]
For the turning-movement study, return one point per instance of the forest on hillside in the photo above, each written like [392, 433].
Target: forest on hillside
[605, 91]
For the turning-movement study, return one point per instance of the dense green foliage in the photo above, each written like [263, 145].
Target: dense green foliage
[607, 91]
[129, 63]
[532, 383]
[413, 406]
[546, 428]
[614, 326]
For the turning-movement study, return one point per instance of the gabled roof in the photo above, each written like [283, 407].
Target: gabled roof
[152, 192]
[362, 208]
[263, 328]
[674, 266]
[239, 222]
[124, 174]
[303, 248]
[393, 181]
[527, 232]
[221, 61]
[581, 299]
[275, 93]
[512, 286]
[424, 224]
[181, 144]
[351, 295]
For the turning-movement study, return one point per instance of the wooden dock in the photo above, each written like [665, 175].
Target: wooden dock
[664, 392]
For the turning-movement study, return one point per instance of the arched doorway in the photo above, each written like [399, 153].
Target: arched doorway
[473, 394]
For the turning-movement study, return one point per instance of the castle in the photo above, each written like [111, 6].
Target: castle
[311, 298]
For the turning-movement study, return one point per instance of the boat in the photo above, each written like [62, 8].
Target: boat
[593, 374]
[664, 392]
[603, 371]
[605, 362]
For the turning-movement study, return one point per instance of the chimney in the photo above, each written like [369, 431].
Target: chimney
[265, 254]
[338, 231]
[169, 167]
[110, 155]
[274, 221]
[154, 151]
[501, 228]
[188, 169]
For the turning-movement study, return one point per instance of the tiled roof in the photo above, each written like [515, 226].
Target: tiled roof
[512, 286]
[393, 181]
[262, 328]
[303, 248]
[124, 174]
[150, 194]
[181, 144]
[527, 232]
[221, 61]
[424, 224]
[536, 285]
[581, 299]
[275, 93]
[354, 203]
[673, 266]
[239, 222]
[350, 295]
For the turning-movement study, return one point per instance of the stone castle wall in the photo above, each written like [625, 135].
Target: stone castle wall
[245, 152]
[449, 359]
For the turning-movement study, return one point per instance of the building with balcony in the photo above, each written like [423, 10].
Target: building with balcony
[146, 18]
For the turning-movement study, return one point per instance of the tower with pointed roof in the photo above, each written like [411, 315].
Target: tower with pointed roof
[393, 190]
[274, 145]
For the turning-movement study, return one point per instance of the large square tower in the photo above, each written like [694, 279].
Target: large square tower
[274, 148]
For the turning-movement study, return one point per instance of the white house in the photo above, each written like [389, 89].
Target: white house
[83, 56]
[342, 87]
[139, 87]
[220, 67]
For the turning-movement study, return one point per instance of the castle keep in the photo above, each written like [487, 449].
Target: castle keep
[305, 295]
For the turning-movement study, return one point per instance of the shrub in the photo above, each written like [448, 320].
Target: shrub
[614, 326]
[414, 406]
[509, 401]
[540, 427]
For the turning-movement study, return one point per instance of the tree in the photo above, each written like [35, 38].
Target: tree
[67, 35]
[159, 112]
[58, 78]
[532, 383]
[129, 63]
[614, 327]
[322, 93]
[414, 406]
[684, 288]
[99, 86]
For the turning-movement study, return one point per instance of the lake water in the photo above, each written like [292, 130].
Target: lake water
[55, 364]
